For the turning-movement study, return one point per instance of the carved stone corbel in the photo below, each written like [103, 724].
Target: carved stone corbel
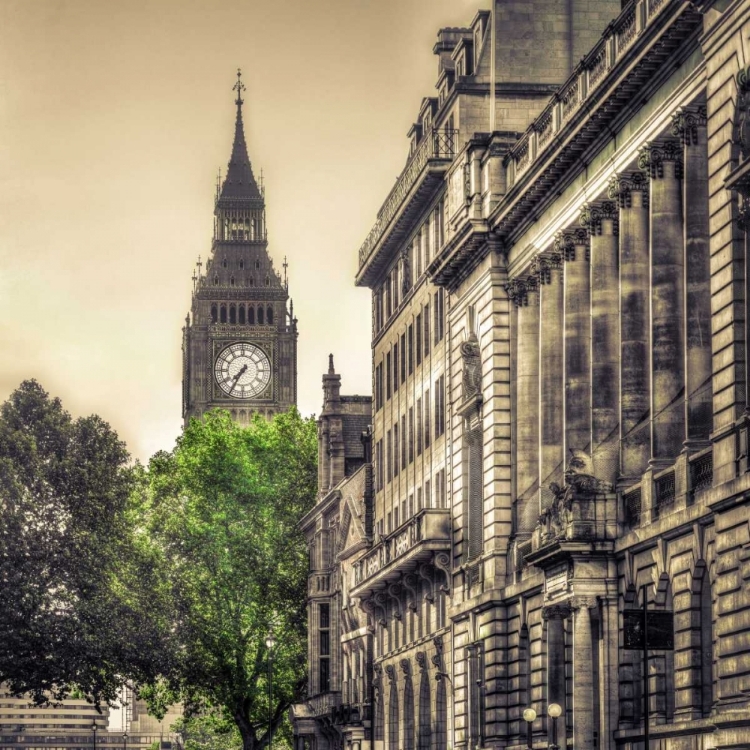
[421, 658]
[379, 600]
[394, 591]
[411, 584]
[405, 665]
[425, 573]
[390, 670]
[368, 607]
[442, 561]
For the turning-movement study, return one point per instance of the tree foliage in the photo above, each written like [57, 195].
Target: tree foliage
[76, 593]
[221, 514]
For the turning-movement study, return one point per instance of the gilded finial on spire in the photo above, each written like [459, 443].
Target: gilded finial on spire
[239, 87]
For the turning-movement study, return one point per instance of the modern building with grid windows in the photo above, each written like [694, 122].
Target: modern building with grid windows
[554, 549]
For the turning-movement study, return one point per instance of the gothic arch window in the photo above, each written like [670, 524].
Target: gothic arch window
[214, 313]
[269, 315]
[408, 714]
[224, 263]
[231, 281]
[252, 281]
[252, 229]
[251, 316]
[242, 315]
[260, 316]
[268, 280]
[223, 314]
[216, 281]
[425, 713]
[232, 314]
[257, 265]
[379, 713]
[440, 735]
[393, 717]
[242, 264]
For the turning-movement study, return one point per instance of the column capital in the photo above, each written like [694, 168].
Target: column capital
[652, 155]
[686, 121]
[556, 612]
[519, 288]
[568, 240]
[622, 185]
[592, 215]
[543, 265]
[582, 602]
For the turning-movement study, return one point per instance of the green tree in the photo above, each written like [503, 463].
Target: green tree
[221, 511]
[75, 591]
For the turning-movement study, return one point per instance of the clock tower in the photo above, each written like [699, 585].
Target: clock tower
[239, 346]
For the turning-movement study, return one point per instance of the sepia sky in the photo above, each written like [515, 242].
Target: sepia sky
[115, 116]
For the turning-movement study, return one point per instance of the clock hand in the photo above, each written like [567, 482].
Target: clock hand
[237, 377]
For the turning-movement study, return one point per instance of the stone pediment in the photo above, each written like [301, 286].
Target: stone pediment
[352, 536]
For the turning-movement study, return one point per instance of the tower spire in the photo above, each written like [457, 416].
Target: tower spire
[239, 183]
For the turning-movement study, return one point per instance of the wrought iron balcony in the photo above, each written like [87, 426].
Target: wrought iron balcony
[417, 183]
[413, 542]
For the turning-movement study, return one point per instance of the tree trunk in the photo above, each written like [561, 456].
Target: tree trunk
[247, 732]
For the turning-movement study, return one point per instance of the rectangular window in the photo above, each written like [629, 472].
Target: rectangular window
[388, 375]
[419, 426]
[439, 406]
[427, 434]
[324, 646]
[404, 454]
[410, 509]
[418, 326]
[411, 434]
[388, 299]
[439, 313]
[418, 257]
[427, 240]
[389, 528]
[395, 367]
[379, 387]
[403, 357]
[395, 517]
[411, 348]
[379, 464]
[419, 499]
[389, 456]
[394, 287]
[395, 449]
[441, 500]
[427, 329]
[427, 494]
[403, 511]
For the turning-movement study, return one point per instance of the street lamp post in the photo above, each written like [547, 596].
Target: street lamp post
[270, 643]
[94, 727]
[555, 711]
[529, 715]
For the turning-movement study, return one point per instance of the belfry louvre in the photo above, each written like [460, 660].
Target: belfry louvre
[559, 426]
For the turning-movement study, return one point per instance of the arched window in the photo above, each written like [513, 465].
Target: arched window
[379, 713]
[252, 229]
[224, 263]
[251, 316]
[706, 620]
[408, 714]
[425, 713]
[260, 316]
[440, 734]
[232, 314]
[223, 313]
[393, 717]
[524, 666]
[216, 281]
[242, 264]
[268, 280]
[242, 315]
[231, 281]
[269, 315]
[257, 265]
[214, 314]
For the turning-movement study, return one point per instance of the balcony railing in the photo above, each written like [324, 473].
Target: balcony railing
[619, 37]
[435, 145]
[323, 704]
[429, 530]
[701, 472]
[664, 494]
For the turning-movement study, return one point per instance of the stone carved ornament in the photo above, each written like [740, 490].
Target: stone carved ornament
[579, 481]
[471, 366]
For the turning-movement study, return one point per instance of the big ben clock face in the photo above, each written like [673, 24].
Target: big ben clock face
[242, 370]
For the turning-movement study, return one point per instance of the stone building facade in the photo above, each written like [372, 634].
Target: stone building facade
[560, 304]
[239, 345]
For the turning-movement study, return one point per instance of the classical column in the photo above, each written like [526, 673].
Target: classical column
[663, 161]
[555, 616]
[690, 125]
[574, 247]
[525, 295]
[601, 222]
[631, 192]
[584, 720]
[548, 267]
